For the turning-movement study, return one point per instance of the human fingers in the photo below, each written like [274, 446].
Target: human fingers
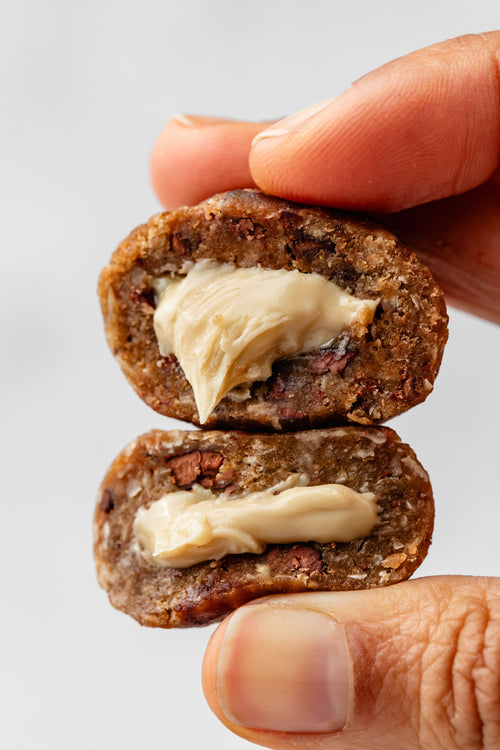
[195, 157]
[423, 127]
[414, 666]
[458, 238]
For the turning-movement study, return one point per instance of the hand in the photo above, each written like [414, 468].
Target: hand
[416, 665]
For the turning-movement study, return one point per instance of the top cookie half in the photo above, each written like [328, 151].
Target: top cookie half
[252, 312]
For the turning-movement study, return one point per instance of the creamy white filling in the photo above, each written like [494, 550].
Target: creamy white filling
[187, 527]
[227, 325]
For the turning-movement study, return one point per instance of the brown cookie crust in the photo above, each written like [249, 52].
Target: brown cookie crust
[364, 381]
[363, 458]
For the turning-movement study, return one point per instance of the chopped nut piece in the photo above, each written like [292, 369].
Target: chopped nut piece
[394, 561]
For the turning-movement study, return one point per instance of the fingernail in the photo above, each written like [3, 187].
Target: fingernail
[291, 124]
[284, 669]
[196, 121]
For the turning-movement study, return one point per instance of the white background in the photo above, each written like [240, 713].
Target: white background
[85, 88]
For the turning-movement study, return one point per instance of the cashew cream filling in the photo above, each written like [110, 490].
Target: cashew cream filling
[227, 325]
[186, 527]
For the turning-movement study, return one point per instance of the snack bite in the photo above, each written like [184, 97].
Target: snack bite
[366, 520]
[250, 312]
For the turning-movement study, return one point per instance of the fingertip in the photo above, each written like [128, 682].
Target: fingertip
[197, 156]
[178, 161]
[162, 162]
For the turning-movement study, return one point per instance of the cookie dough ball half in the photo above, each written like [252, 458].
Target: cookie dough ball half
[250, 312]
[190, 525]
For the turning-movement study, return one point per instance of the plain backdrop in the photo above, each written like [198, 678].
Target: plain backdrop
[85, 88]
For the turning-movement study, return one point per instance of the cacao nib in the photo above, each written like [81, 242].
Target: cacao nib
[410, 386]
[370, 385]
[278, 388]
[288, 414]
[331, 360]
[165, 363]
[289, 220]
[309, 249]
[306, 560]
[246, 228]
[334, 358]
[180, 245]
[348, 275]
[106, 504]
[141, 295]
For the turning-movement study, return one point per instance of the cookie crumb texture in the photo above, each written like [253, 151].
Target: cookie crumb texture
[371, 459]
[355, 380]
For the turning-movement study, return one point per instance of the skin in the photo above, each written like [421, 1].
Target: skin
[426, 663]
[417, 142]
[427, 160]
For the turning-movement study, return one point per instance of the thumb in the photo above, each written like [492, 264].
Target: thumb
[420, 128]
[415, 665]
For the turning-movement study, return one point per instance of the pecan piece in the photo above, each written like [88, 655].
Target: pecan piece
[186, 468]
[196, 465]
